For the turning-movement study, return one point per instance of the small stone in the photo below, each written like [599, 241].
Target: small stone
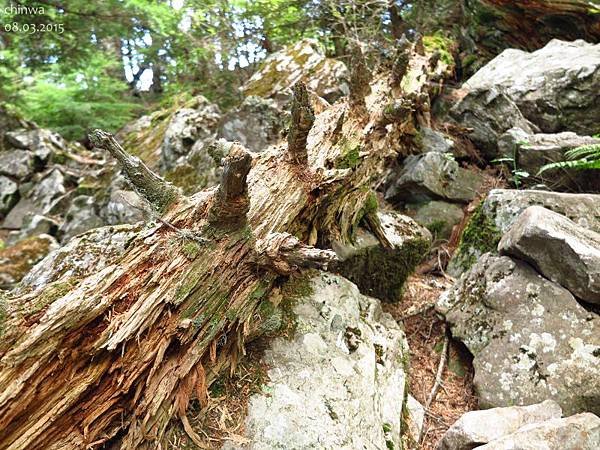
[476, 428]
[437, 216]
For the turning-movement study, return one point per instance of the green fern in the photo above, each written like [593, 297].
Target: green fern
[584, 157]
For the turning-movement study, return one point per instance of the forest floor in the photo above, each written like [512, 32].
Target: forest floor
[425, 334]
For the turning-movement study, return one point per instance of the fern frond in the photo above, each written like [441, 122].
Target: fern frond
[585, 151]
[580, 158]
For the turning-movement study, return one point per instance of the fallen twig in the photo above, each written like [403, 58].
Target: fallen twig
[438, 380]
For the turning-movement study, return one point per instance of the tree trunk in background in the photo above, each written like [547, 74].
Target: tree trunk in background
[112, 356]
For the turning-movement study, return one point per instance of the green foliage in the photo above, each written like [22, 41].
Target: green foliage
[438, 42]
[75, 103]
[584, 157]
[512, 161]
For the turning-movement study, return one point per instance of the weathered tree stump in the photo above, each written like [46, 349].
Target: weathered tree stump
[109, 357]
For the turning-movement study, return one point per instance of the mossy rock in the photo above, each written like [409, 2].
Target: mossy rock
[481, 235]
[381, 271]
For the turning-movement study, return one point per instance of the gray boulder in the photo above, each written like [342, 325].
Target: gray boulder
[339, 382]
[532, 151]
[83, 255]
[34, 225]
[558, 248]
[489, 112]
[434, 141]
[381, 270]
[9, 195]
[39, 197]
[17, 164]
[578, 432]
[256, 123]
[41, 142]
[500, 210]
[475, 428]
[432, 176]
[185, 128]
[437, 216]
[124, 206]
[530, 338]
[555, 88]
[80, 217]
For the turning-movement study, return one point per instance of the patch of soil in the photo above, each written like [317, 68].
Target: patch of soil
[425, 333]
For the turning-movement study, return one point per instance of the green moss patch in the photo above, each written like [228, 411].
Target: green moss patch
[350, 154]
[381, 272]
[479, 236]
[438, 42]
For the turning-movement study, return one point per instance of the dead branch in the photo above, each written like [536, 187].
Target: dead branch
[158, 192]
[303, 117]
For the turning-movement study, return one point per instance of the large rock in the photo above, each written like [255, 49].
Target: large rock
[256, 123]
[434, 141]
[339, 382]
[303, 61]
[17, 164]
[500, 210]
[489, 113]
[378, 270]
[475, 428]
[532, 151]
[39, 196]
[125, 206]
[81, 256]
[437, 216]
[186, 127]
[81, 216]
[17, 260]
[41, 142]
[432, 176]
[34, 225]
[9, 195]
[530, 338]
[578, 432]
[555, 88]
[558, 248]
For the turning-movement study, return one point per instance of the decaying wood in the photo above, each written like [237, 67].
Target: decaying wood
[231, 202]
[303, 118]
[112, 355]
[360, 79]
[285, 254]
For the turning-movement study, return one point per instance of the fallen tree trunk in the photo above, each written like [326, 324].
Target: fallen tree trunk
[108, 358]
